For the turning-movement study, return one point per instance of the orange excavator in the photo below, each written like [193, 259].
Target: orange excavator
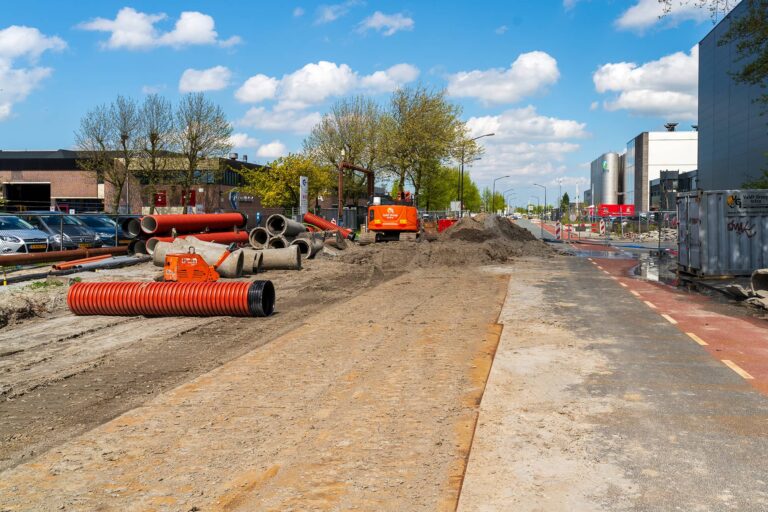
[388, 219]
[393, 219]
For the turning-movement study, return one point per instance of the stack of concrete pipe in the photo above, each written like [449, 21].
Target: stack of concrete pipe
[281, 233]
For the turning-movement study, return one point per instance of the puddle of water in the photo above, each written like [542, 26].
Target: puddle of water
[653, 268]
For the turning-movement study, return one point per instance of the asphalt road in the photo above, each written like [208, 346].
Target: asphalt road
[598, 402]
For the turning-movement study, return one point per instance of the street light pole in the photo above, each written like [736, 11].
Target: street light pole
[545, 209]
[504, 196]
[493, 194]
[461, 171]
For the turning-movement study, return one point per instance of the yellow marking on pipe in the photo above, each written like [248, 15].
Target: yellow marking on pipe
[733, 366]
[697, 339]
[650, 305]
[669, 319]
[633, 292]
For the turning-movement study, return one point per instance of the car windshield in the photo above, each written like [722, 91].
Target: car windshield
[55, 220]
[9, 222]
[98, 222]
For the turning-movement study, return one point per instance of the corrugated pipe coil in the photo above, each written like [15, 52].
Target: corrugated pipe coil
[239, 298]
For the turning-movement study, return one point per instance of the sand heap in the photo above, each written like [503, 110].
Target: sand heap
[480, 240]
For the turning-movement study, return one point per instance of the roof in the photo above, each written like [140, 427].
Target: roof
[64, 154]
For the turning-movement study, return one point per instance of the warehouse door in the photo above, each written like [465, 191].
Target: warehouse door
[27, 196]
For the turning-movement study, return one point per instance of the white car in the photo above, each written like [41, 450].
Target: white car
[19, 236]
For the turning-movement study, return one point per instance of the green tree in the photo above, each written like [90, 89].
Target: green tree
[278, 183]
[420, 131]
[565, 203]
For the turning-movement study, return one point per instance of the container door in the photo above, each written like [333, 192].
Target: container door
[694, 233]
[682, 231]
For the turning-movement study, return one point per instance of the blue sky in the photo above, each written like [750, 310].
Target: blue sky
[560, 82]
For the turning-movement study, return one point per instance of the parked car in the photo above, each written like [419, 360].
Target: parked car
[105, 227]
[76, 233]
[19, 236]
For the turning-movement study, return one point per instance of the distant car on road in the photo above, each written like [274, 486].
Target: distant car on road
[76, 234]
[19, 236]
[105, 227]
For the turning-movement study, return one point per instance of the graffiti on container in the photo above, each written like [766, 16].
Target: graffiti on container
[742, 228]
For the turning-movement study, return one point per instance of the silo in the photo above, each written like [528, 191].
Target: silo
[609, 178]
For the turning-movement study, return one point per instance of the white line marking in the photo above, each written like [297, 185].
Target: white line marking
[669, 319]
[624, 285]
[733, 366]
[614, 278]
[697, 339]
[601, 268]
[633, 292]
[650, 304]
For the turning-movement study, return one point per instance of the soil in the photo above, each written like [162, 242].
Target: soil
[362, 389]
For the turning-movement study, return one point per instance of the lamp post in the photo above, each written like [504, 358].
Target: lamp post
[461, 172]
[545, 209]
[504, 196]
[560, 197]
[507, 199]
[493, 194]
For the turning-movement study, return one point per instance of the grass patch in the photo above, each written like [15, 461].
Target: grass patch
[42, 285]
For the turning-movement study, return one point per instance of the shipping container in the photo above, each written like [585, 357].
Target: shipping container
[722, 232]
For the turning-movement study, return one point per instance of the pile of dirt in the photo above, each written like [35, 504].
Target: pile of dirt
[483, 227]
[30, 300]
[481, 240]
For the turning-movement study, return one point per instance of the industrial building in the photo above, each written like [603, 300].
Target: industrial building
[651, 153]
[605, 174]
[732, 129]
[41, 180]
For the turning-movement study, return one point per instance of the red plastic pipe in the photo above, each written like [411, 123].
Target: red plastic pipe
[235, 298]
[74, 263]
[321, 223]
[160, 224]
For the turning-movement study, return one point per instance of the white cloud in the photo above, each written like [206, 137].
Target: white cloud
[316, 82]
[274, 149]
[569, 4]
[313, 83]
[16, 83]
[525, 145]
[667, 87]
[390, 79]
[243, 140]
[287, 121]
[257, 88]
[135, 30]
[501, 30]
[387, 24]
[298, 11]
[329, 13]
[530, 73]
[152, 89]
[199, 80]
[647, 13]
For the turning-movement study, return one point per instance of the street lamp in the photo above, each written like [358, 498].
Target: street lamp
[545, 208]
[461, 172]
[493, 194]
[504, 196]
[507, 199]
[560, 197]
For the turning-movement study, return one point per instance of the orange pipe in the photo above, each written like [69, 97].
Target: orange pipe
[233, 298]
[74, 263]
[40, 257]
[191, 223]
[226, 237]
[321, 223]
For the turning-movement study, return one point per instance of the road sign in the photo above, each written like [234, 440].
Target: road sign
[303, 195]
[573, 217]
[455, 206]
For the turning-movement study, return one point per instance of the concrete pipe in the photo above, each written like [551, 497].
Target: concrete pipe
[138, 246]
[317, 246]
[258, 238]
[759, 281]
[251, 261]
[231, 267]
[279, 225]
[278, 242]
[132, 227]
[305, 247]
[281, 259]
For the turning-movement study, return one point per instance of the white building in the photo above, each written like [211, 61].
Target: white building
[652, 152]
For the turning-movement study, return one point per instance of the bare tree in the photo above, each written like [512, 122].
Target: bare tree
[106, 140]
[156, 130]
[202, 131]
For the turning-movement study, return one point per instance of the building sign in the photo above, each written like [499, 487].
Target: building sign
[161, 198]
[615, 210]
[303, 195]
[233, 199]
[739, 204]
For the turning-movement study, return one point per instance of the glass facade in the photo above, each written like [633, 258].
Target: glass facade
[629, 174]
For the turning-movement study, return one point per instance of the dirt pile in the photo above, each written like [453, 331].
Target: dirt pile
[482, 240]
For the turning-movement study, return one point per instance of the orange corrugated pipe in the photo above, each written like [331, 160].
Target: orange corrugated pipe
[235, 298]
[74, 263]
